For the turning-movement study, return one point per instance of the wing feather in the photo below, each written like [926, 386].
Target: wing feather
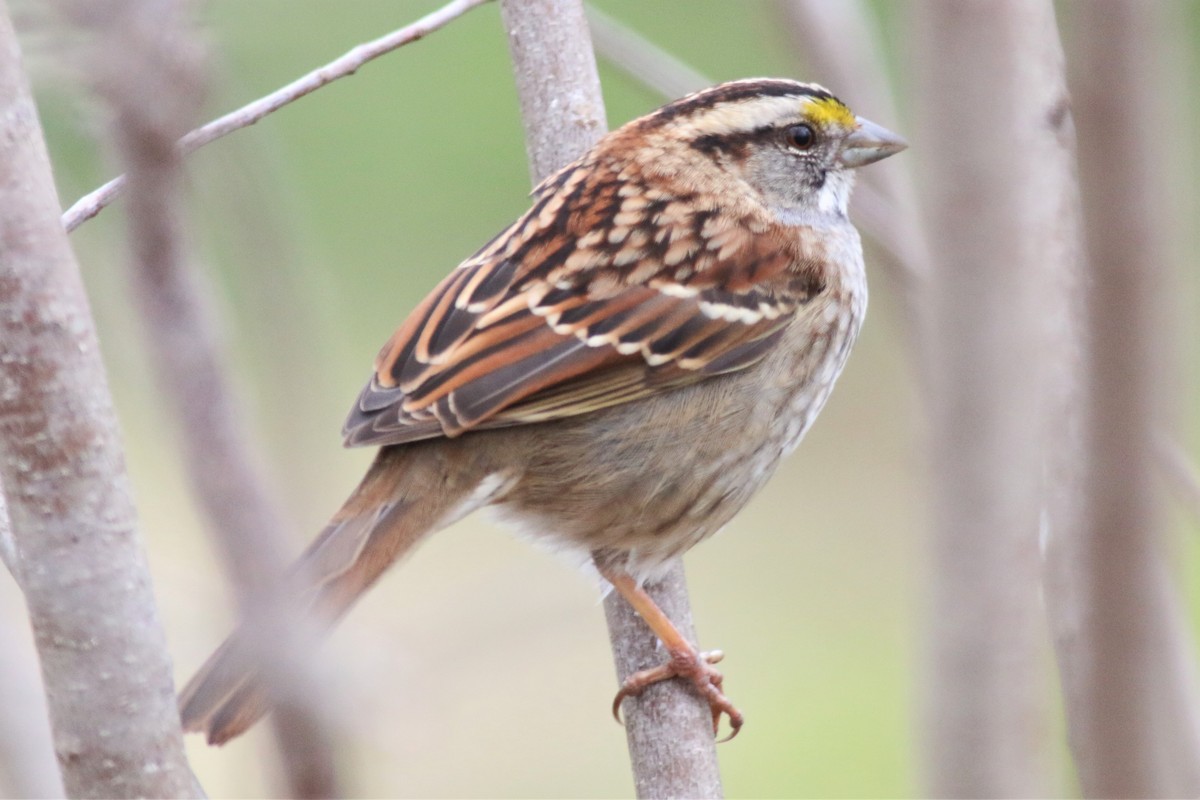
[596, 297]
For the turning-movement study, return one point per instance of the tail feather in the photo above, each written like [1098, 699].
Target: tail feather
[408, 493]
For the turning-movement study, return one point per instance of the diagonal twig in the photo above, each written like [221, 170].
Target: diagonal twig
[94, 202]
[641, 59]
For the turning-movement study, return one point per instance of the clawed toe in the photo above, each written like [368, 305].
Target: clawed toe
[698, 670]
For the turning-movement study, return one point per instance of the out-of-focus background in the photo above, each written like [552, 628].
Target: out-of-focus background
[481, 666]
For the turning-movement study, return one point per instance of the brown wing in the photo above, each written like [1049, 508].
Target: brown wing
[597, 296]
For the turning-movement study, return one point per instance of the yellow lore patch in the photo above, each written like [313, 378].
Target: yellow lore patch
[827, 111]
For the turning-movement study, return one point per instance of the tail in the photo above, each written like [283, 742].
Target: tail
[409, 492]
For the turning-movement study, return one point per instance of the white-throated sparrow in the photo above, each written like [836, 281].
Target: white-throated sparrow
[620, 369]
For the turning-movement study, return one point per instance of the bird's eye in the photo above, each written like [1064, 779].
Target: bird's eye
[800, 137]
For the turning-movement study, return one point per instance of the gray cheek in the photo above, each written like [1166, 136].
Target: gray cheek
[781, 179]
[803, 184]
[800, 191]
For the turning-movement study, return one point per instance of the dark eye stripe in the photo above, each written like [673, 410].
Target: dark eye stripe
[734, 144]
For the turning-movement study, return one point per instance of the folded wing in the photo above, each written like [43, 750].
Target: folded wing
[601, 294]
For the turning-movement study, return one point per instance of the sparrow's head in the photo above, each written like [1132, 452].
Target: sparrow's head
[794, 144]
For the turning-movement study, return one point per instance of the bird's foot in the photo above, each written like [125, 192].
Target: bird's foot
[695, 667]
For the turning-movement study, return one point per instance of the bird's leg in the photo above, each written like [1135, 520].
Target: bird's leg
[684, 660]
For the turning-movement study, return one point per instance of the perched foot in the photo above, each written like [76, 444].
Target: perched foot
[687, 663]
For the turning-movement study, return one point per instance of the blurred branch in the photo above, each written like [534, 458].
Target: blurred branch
[641, 59]
[149, 68]
[669, 728]
[87, 588]
[1129, 672]
[999, 181]
[94, 202]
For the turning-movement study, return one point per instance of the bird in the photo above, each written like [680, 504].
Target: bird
[617, 372]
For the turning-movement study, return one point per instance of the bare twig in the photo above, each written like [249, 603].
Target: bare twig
[92, 203]
[668, 727]
[1133, 705]
[670, 735]
[101, 644]
[149, 69]
[999, 167]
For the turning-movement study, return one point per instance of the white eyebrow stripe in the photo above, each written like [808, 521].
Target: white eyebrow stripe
[727, 118]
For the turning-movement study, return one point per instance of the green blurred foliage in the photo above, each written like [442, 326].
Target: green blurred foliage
[481, 667]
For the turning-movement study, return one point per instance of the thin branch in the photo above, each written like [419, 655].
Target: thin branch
[92, 203]
[669, 728]
[150, 70]
[670, 737]
[87, 587]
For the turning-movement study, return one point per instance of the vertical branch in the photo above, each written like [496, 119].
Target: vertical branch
[557, 82]
[669, 729]
[149, 69]
[670, 735]
[1132, 704]
[101, 644]
[997, 153]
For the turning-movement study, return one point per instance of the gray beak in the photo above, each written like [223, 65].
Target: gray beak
[869, 144]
